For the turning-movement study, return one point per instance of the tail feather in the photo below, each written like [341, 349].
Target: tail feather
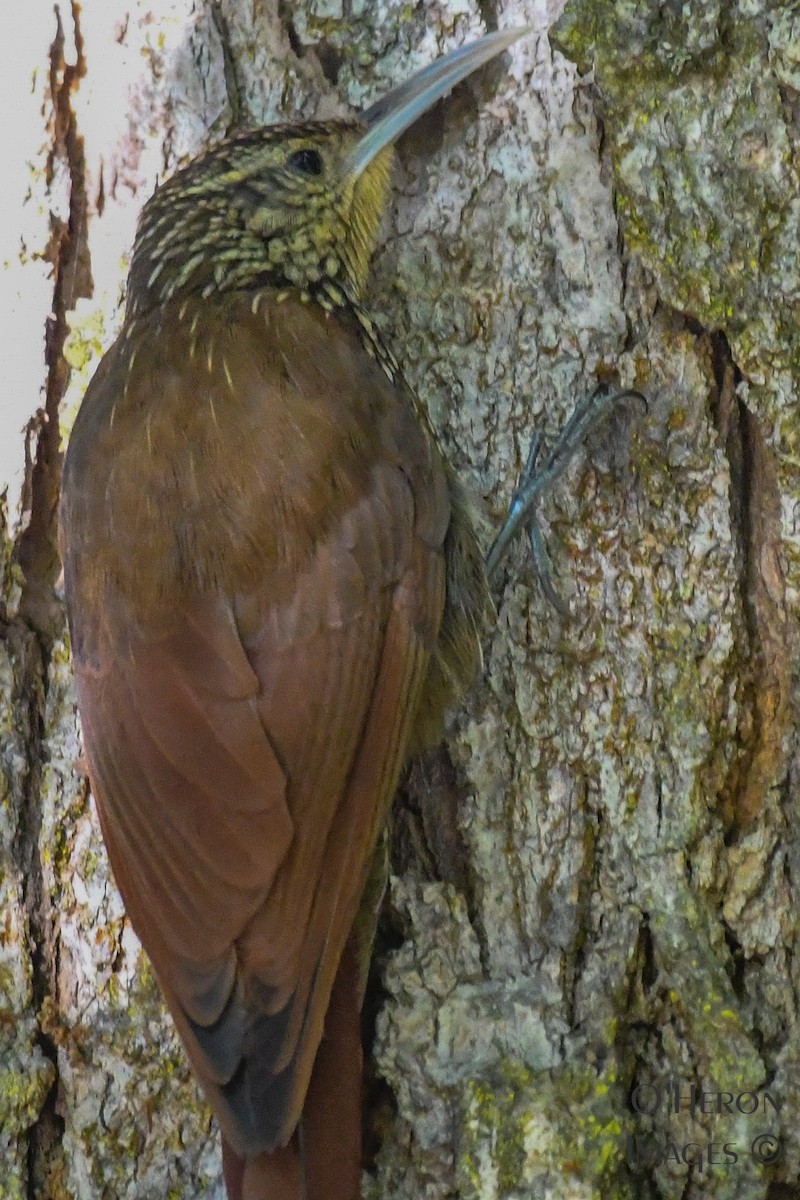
[323, 1159]
[273, 1176]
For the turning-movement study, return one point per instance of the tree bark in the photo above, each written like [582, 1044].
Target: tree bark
[586, 968]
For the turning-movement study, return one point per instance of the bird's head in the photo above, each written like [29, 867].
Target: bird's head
[294, 205]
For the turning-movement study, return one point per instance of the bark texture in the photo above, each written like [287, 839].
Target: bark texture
[595, 882]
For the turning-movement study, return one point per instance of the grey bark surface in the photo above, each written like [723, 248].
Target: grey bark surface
[594, 889]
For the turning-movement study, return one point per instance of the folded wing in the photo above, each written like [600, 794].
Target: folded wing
[243, 746]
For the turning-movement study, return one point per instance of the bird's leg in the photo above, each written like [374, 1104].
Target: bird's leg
[536, 481]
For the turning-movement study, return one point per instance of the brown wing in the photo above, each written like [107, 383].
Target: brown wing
[244, 743]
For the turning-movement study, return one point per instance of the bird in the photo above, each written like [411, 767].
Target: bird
[275, 591]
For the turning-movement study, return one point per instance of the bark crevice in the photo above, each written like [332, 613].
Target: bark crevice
[765, 681]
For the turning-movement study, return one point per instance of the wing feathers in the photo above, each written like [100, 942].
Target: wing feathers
[220, 1040]
[246, 928]
[360, 816]
[244, 743]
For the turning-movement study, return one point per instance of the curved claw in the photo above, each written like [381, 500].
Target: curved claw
[535, 482]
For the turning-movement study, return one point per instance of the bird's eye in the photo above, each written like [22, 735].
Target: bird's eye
[307, 162]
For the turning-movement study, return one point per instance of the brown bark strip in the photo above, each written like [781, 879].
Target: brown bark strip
[37, 552]
[39, 620]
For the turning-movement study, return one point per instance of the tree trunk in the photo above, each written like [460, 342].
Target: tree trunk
[586, 979]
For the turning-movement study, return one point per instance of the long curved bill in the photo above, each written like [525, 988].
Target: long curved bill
[390, 116]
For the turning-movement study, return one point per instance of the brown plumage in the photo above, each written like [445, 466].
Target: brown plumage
[273, 590]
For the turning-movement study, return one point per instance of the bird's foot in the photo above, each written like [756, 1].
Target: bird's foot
[537, 480]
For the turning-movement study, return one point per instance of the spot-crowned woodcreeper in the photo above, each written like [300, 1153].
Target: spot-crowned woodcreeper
[274, 590]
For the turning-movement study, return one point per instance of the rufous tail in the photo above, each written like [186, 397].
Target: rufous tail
[323, 1159]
